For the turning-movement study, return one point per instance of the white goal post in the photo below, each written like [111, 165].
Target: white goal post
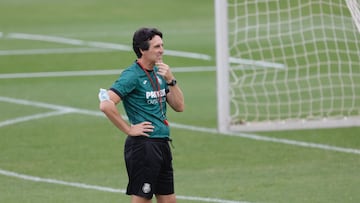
[288, 64]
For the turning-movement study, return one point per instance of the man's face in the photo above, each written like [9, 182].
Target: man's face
[156, 50]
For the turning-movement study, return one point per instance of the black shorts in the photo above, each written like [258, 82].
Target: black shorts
[149, 166]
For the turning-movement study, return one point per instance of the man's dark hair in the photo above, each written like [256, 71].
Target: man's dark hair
[141, 39]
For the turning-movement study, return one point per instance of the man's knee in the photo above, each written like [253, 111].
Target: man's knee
[166, 198]
[138, 199]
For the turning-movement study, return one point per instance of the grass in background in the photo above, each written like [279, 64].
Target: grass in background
[88, 149]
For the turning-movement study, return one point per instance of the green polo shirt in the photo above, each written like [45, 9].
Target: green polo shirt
[141, 99]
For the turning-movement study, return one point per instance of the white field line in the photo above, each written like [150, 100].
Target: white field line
[32, 117]
[59, 74]
[251, 64]
[51, 51]
[113, 46]
[189, 127]
[59, 182]
[45, 38]
[204, 199]
[93, 72]
[36, 104]
[270, 139]
[94, 44]
[101, 188]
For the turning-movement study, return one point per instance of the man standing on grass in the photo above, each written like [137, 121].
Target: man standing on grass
[145, 88]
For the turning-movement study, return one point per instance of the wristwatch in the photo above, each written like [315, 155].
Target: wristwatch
[172, 83]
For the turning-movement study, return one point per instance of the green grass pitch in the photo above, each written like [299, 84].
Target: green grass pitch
[55, 146]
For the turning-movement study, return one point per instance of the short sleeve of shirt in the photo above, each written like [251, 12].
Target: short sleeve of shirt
[125, 83]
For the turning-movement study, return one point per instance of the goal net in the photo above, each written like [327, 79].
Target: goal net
[287, 64]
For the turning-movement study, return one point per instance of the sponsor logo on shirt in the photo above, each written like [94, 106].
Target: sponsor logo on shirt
[152, 97]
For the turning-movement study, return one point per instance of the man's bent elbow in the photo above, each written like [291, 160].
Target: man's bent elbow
[104, 106]
[180, 108]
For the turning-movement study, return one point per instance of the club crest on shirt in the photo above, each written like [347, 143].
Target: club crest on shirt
[146, 188]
